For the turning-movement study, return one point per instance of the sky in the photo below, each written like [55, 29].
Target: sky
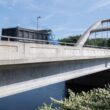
[64, 17]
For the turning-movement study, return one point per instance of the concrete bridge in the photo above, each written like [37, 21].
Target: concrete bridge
[25, 65]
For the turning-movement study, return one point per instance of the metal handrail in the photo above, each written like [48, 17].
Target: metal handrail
[94, 46]
[35, 40]
[28, 40]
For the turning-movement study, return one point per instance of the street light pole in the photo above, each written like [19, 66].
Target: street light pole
[39, 17]
[38, 26]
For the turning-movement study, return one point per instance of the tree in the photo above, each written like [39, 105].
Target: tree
[96, 99]
[101, 42]
[70, 39]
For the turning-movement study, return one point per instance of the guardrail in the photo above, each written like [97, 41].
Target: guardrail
[28, 40]
[38, 41]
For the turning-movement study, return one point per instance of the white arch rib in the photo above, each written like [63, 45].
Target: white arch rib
[86, 35]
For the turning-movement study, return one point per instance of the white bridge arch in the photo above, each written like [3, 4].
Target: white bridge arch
[91, 29]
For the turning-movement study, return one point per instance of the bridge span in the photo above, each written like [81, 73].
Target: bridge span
[26, 66]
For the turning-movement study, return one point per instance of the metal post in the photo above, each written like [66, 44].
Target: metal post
[38, 24]
[39, 17]
[107, 36]
[88, 43]
[95, 39]
[8, 38]
[102, 34]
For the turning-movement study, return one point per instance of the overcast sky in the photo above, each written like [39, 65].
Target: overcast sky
[64, 17]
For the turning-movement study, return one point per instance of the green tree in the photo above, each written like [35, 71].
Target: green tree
[101, 42]
[70, 39]
[96, 99]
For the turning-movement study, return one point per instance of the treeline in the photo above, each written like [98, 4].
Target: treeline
[96, 99]
[102, 42]
[70, 39]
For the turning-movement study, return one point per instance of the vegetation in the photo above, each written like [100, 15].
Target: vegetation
[99, 42]
[103, 42]
[46, 107]
[70, 39]
[96, 99]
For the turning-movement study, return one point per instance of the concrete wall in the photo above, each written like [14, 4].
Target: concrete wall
[19, 53]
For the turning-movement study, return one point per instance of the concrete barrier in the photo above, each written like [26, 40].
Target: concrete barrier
[18, 53]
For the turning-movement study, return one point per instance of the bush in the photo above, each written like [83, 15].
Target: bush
[96, 99]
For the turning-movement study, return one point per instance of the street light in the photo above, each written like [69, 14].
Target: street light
[39, 17]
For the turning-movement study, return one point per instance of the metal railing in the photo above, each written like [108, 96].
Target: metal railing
[39, 41]
[94, 46]
[49, 42]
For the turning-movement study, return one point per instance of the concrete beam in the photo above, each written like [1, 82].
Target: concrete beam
[21, 78]
[100, 30]
[106, 20]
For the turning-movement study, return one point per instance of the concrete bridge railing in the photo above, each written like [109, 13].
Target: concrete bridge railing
[17, 52]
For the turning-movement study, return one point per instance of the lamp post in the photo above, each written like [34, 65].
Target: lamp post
[39, 17]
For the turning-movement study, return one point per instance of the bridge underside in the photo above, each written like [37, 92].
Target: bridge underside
[19, 78]
[88, 82]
